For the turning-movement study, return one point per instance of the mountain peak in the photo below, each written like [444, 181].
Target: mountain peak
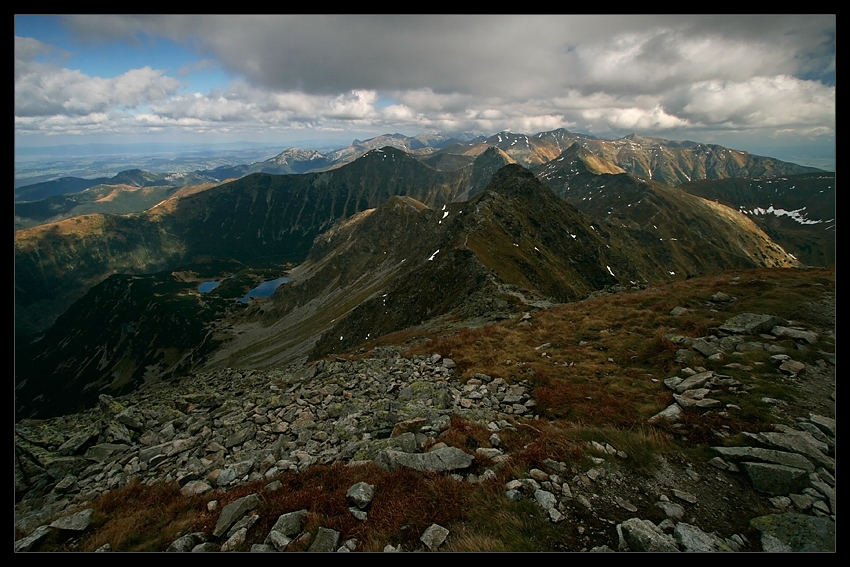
[514, 180]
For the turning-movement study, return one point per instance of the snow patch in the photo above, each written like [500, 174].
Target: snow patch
[798, 215]
[610, 272]
[434, 254]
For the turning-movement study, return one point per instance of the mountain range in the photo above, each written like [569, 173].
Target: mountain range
[384, 239]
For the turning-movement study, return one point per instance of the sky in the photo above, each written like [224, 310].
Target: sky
[761, 83]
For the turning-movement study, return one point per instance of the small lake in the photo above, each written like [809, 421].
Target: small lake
[265, 289]
[207, 287]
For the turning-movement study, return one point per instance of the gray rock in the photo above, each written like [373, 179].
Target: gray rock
[195, 488]
[802, 443]
[279, 541]
[767, 455]
[705, 348]
[361, 494]
[67, 484]
[406, 442]
[187, 542]
[672, 510]
[326, 540]
[686, 496]
[625, 504]
[826, 424]
[545, 499]
[750, 324]
[792, 367]
[671, 414]
[775, 480]
[797, 334]
[233, 512]
[289, 524]
[106, 452]
[513, 494]
[75, 522]
[235, 540]
[434, 536]
[797, 532]
[444, 459]
[246, 522]
[643, 535]
[694, 382]
[29, 542]
[693, 539]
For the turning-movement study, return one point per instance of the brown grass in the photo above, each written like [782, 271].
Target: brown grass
[139, 517]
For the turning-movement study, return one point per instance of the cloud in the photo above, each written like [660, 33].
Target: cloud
[759, 102]
[45, 89]
[595, 74]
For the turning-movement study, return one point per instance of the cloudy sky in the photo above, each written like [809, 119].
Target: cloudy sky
[748, 82]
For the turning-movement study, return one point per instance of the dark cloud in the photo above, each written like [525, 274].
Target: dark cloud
[599, 74]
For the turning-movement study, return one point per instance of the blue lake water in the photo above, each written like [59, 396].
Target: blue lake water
[207, 287]
[265, 289]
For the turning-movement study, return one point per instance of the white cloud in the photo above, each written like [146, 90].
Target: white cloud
[596, 74]
[759, 102]
[45, 89]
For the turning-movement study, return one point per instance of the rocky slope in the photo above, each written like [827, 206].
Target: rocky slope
[235, 436]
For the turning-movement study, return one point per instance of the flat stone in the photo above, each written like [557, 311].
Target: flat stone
[693, 382]
[75, 522]
[233, 512]
[798, 532]
[277, 540]
[235, 540]
[767, 455]
[106, 452]
[797, 334]
[775, 480]
[802, 443]
[672, 510]
[685, 496]
[750, 324]
[792, 367]
[625, 504]
[445, 459]
[195, 488]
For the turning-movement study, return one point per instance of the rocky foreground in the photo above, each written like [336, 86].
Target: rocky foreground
[217, 431]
